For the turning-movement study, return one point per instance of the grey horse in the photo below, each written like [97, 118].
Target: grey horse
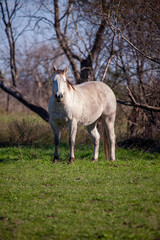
[84, 104]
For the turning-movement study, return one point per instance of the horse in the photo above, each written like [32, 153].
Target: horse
[83, 104]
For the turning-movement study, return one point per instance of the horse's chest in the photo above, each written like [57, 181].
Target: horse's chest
[61, 114]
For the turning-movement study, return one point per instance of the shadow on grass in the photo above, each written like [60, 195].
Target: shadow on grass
[7, 160]
[146, 145]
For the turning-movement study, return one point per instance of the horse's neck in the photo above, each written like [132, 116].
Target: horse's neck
[68, 96]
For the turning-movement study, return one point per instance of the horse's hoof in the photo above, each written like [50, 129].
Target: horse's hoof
[112, 160]
[71, 160]
[55, 160]
[94, 160]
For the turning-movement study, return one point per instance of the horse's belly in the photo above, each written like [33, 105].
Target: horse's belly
[92, 107]
[89, 117]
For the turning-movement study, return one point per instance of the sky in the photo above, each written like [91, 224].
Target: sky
[35, 33]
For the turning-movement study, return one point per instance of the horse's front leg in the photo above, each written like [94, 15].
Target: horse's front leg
[56, 142]
[72, 137]
[55, 129]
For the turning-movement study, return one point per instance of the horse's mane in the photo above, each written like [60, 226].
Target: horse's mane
[69, 84]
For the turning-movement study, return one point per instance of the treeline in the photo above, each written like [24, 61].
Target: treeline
[114, 41]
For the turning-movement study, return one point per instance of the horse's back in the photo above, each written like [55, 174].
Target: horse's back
[97, 88]
[99, 95]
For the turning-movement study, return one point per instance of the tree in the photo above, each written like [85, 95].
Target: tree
[140, 65]
[95, 37]
[7, 18]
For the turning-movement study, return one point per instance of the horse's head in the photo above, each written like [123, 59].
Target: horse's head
[59, 83]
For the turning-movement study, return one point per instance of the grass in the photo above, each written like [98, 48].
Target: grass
[23, 129]
[102, 200]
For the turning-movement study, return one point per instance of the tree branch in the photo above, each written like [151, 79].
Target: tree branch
[63, 41]
[10, 38]
[99, 35]
[156, 60]
[110, 58]
[14, 92]
[134, 103]
[116, 29]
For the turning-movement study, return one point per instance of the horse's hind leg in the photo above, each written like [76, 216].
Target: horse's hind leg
[92, 129]
[72, 137]
[109, 124]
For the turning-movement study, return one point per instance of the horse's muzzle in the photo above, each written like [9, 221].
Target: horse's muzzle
[59, 97]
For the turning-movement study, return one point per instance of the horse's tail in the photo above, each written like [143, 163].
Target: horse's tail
[103, 131]
[105, 142]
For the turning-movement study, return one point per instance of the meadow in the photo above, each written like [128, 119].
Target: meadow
[86, 200]
[101, 200]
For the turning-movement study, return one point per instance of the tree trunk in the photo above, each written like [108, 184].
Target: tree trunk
[85, 71]
[21, 98]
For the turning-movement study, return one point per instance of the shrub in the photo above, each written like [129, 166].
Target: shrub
[35, 132]
[25, 132]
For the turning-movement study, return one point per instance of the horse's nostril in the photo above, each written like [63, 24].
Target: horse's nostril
[59, 96]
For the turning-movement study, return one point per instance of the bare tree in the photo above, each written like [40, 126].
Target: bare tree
[95, 37]
[81, 63]
[7, 17]
[138, 29]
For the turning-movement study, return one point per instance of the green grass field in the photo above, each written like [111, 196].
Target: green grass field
[101, 200]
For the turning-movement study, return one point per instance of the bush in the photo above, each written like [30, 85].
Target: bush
[35, 132]
[25, 132]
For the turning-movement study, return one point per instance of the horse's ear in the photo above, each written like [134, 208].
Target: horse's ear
[54, 69]
[65, 70]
